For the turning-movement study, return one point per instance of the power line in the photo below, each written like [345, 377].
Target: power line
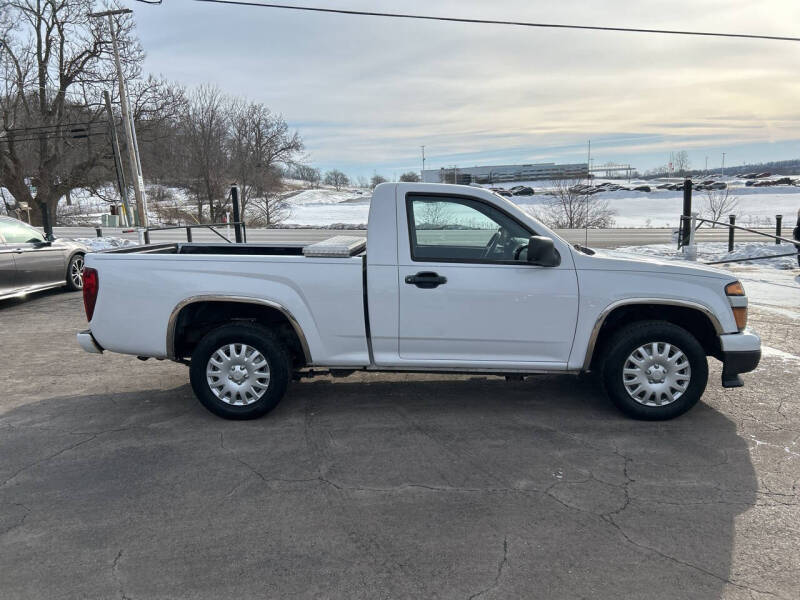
[54, 126]
[61, 131]
[53, 136]
[364, 13]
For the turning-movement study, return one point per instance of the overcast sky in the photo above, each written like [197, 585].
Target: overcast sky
[365, 93]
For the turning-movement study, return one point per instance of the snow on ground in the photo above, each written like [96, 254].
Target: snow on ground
[105, 243]
[718, 251]
[771, 289]
[325, 207]
[771, 284]
[775, 353]
[638, 209]
[659, 208]
[325, 215]
[326, 196]
[662, 208]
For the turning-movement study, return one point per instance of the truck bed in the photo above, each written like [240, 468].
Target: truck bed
[224, 249]
[141, 287]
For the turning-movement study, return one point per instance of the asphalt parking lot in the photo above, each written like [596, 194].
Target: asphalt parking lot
[116, 483]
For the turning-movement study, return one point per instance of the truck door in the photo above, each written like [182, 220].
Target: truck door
[465, 299]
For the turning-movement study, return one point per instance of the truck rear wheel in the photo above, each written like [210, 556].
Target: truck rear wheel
[239, 371]
[654, 370]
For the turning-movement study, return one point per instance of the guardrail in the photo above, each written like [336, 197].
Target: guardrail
[239, 228]
[240, 231]
[693, 223]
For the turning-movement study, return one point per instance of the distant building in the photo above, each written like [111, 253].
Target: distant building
[504, 173]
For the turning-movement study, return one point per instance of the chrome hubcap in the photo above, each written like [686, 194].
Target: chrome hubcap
[656, 374]
[238, 374]
[76, 272]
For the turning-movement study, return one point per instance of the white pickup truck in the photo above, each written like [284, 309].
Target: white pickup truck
[454, 279]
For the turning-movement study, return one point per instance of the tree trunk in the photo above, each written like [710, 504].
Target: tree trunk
[36, 210]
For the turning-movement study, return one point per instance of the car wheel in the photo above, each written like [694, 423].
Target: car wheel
[654, 370]
[75, 273]
[239, 371]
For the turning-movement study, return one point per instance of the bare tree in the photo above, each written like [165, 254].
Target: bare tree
[681, 163]
[660, 171]
[308, 174]
[569, 205]
[158, 107]
[435, 215]
[377, 180]
[268, 208]
[206, 126]
[337, 179]
[260, 143]
[718, 204]
[54, 64]
[410, 176]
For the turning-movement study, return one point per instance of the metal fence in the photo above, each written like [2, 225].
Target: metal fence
[690, 223]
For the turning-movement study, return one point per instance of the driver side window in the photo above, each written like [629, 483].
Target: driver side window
[444, 228]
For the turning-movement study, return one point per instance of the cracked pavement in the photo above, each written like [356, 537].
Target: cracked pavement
[116, 483]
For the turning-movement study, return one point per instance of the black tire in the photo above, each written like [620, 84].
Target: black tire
[623, 344]
[257, 337]
[75, 273]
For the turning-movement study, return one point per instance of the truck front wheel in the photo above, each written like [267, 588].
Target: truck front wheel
[654, 370]
[239, 371]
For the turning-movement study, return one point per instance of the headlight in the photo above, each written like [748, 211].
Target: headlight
[734, 289]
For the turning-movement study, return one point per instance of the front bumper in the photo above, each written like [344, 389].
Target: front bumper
[741, 353]
[88, 343]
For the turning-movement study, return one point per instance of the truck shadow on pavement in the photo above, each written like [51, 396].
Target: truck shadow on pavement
[390, 486]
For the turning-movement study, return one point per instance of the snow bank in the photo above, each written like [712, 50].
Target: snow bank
[717, 251]
[326, 196]
[105, 243]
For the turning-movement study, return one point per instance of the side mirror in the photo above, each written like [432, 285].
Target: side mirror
[542, 252]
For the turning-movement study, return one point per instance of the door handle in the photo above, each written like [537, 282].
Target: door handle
[426, 280]
[19, 250]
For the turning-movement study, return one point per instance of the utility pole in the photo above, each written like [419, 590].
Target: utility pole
[706, 171]
[586, 198]
[723, 164]
[589, 161]
[127, 122]
[422, 173]
[123, 190]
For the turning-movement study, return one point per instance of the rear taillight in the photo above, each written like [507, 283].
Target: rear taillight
[91, 285]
